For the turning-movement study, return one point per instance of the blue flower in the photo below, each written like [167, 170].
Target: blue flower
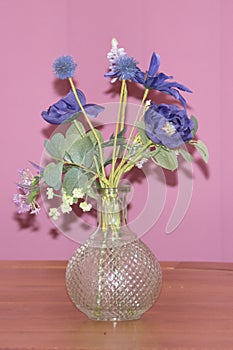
[168, 125]
[64, 67]
[124, 68]
[158, 82]
[67, 108]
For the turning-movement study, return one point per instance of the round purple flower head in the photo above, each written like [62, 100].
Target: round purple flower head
[123, 68]
[64, 67]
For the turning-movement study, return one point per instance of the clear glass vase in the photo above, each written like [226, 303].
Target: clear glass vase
[114, 276]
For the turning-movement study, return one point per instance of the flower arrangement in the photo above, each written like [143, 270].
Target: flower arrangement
[160, 133]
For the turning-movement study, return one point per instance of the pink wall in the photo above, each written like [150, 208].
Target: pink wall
[194, 39]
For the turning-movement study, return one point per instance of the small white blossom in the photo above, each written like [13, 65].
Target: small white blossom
[147, 104]
[141, 162]
[85, 206]
[67, 199]
[113, 54]
[78, 193]
[49, 193]
[54, 213]
[66, 208]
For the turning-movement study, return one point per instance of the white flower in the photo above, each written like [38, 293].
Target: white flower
[54, 213]
[141, 162]
[85, 206]
[147, 104]
[78, 193]
[66, 208]
[113, 54]
[49, 193]
[67, 199]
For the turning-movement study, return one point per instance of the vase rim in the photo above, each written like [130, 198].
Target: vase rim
[121, 188]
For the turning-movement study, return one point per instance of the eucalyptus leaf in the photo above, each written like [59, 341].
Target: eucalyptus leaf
[53, 175]
[167, 159]
[186, 155]
[74, 178]
[56, 146]
[74, 133]
[195, 125]
[202, 149]
[82, 152]
[142, 133]
[92, 137]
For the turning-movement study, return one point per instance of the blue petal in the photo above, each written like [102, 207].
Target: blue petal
[162, 77]
[93, 110]
[154, 64]
[178, 86]
[70, 98]
[139, 77]
[64, 109]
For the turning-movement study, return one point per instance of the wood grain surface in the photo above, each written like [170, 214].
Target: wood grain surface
[194, 311]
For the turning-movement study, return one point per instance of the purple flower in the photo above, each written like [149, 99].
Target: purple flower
[64, 67]
[124, 68]
[28, 190]
[151, 80]
[67, 107]
[168, 125]
[21, 201]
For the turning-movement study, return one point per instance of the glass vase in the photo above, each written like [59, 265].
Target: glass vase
[114, 276]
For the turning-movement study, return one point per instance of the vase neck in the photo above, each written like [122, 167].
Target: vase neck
[112, 208]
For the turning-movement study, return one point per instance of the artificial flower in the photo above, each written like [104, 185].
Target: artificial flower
[85, 206]
[123, 68]
[64, 67]
[168, 125]
[82, 158]
[67, 107]
[151, 80]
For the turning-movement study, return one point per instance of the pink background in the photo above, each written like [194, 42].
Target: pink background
[194, 40]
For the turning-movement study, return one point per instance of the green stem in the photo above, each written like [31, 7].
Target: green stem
[133, 128]
[119, 119]
[90, 125]
[128, 165]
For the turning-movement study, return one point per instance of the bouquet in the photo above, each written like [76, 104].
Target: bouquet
[82, 158]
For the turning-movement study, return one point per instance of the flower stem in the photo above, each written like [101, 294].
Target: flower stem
[124, 158]
[129, 164]
[118, 121]
[90, 125]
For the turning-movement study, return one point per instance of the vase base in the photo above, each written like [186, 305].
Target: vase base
[103, 315]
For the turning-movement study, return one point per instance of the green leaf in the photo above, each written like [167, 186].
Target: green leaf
[32, 195]
[74, 133]
[92, 137]
[142, 133]
[167, 159]
[195, 125]
[185, 154]
[74, 178]
[82, 152]
[53, 175]
[119, 142]
[56, 146]
[202, 149]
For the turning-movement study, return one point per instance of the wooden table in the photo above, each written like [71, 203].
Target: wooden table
[194, 311]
